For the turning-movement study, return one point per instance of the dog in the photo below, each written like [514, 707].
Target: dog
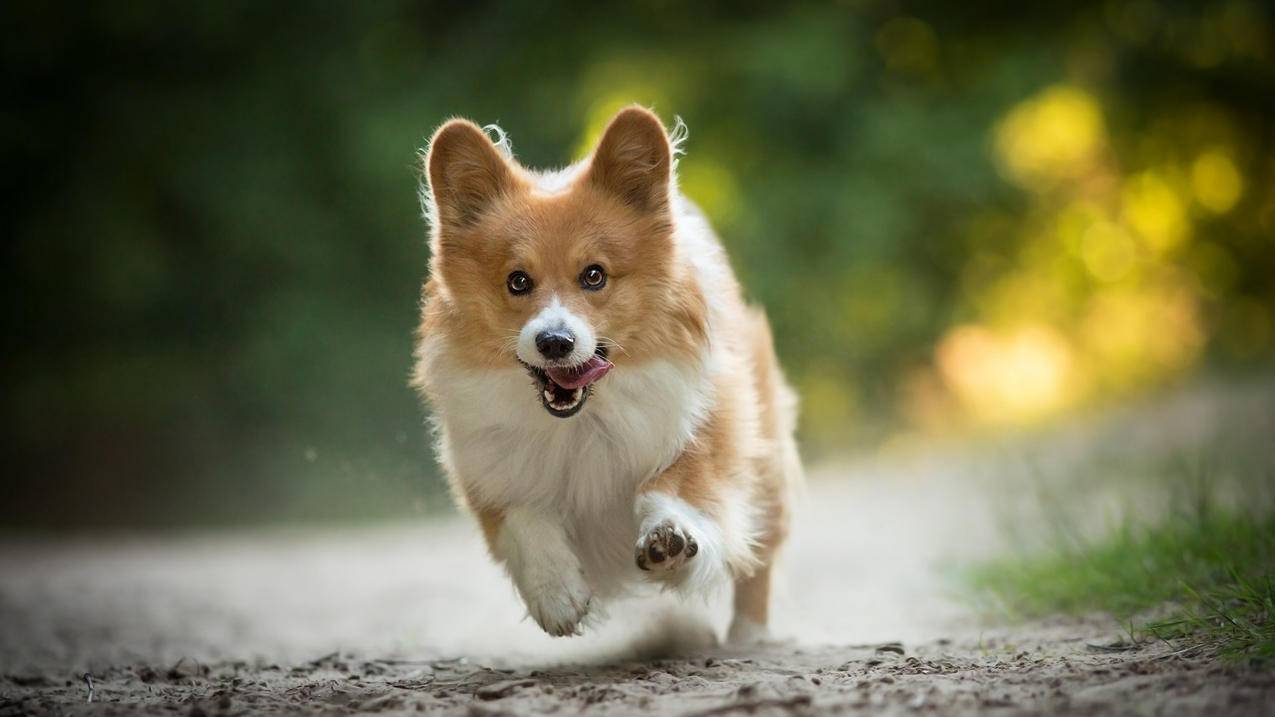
[603, 399]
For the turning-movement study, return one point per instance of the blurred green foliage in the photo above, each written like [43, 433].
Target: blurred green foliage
[214, 248]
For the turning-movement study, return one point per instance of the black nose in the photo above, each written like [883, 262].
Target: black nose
[555, 343]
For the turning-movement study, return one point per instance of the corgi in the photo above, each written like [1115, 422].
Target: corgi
[604, 401]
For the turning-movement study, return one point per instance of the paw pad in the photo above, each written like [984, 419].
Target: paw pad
[665, 547]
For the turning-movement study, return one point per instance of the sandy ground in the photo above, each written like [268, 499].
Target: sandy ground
[415, 617]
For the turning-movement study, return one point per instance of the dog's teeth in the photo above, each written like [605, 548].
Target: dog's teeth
[551, 397]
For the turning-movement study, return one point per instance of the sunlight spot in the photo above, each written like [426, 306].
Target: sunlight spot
[1155, 211]
[1054, 135]
[1107, 251]
[1039, 293]
[1006, 378]
[1138, 337]
[1216, 182]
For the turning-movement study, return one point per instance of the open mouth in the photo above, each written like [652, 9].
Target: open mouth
[564, 389]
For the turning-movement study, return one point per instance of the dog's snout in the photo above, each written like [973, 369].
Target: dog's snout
[555, 343]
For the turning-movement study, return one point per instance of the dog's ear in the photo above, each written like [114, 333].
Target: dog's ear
[466, 172]
[634, 159]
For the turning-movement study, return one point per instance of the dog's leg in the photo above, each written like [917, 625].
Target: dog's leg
[537, 554]
[752, 607]
[678, 543]
[752, 592]
[693, 527]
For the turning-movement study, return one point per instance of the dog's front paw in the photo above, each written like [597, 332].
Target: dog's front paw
[545, 570]
[665, 548]
[559, 604]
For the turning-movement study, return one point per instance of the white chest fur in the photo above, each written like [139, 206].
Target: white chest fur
[500, 443]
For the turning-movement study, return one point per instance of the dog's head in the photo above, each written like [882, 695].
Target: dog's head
[569, 274]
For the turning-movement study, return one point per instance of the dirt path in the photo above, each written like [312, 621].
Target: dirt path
[405, 618]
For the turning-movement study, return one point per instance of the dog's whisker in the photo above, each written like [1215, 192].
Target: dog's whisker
[609, 342]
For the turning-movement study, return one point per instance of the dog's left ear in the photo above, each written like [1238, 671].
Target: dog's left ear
[634, 160]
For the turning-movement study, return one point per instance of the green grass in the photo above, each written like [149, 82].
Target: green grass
[1208, 573]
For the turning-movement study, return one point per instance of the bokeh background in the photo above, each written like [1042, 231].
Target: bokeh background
[964, 218]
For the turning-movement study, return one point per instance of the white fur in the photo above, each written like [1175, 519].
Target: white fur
[545, 570]
[746, 632]
[495, 436]
[556, 316]
[707, 568]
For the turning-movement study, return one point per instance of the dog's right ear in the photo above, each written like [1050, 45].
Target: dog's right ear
[466, 172]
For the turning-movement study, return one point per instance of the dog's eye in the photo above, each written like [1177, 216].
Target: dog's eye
[593, 277]
[518, 282]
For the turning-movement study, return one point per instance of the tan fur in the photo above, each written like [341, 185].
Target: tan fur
[777, 469]
[489, 520]
[491, 220]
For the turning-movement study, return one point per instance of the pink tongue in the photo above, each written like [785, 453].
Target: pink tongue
[582, 375]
